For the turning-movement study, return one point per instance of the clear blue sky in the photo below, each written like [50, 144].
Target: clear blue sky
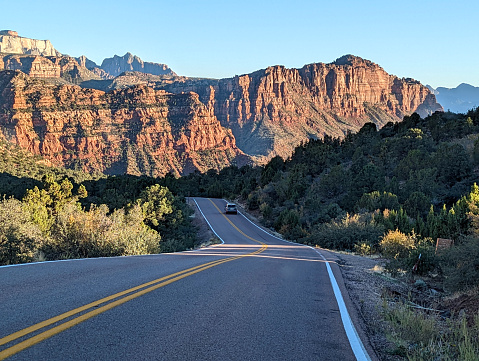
[435, 42]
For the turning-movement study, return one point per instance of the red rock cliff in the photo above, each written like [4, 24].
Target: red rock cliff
[273, 110]
[137, 130]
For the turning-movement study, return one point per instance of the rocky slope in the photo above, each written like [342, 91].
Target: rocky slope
[137, 130]
[52, 67]
[273, 110]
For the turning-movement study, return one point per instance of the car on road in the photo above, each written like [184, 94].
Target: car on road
[230, 208]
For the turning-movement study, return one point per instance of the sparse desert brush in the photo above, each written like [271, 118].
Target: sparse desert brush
[396, 245]
[421, 334]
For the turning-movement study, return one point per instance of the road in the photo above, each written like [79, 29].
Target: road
[254, 297]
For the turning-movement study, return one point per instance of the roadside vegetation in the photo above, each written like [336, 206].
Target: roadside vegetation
[52, 213]
[390, 192]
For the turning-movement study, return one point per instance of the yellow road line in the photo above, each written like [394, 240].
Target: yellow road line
[73, 312]
[239, 230]
[66, 325]
[128, 294]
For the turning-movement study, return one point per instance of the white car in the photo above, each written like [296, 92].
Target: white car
[231, 208]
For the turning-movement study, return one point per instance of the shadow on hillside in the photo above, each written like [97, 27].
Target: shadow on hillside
[16, 186]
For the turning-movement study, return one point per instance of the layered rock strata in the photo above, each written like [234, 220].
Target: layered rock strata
[11, 43]
[273, 110]
[137, 130]
[36, 66]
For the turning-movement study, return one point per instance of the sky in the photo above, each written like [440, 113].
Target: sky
[435, 42]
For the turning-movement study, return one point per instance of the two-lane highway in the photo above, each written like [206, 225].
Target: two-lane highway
[255, 297]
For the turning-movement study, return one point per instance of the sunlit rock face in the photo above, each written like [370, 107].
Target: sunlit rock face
[11, 43]
[137, 130]
[271, 111]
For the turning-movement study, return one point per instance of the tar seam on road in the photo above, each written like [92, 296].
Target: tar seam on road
[121, 297]
[357, 346]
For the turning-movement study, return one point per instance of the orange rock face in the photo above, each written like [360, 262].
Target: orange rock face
[37, 66]
[273, 110]
[136, 131]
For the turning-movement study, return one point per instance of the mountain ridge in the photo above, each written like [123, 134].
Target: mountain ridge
[460, 99]
[277, 108]
[252, 116]
[12, 43]
[136, 130]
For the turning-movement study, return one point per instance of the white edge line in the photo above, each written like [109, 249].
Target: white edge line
[354, 340]
[353, 337]
[221, 239]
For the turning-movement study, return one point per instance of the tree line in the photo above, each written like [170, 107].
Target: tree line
[409, 182]
[54, 213]
[392, 191]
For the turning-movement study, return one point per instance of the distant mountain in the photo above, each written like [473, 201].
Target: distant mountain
[136, 117]
[11, 43]
[457, 100]
[129, 62]
[117, 65]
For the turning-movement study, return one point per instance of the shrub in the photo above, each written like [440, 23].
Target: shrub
[460, 265]
[345, 233]
[80, 234]
[396, 245]
[376, 200]
[403, 252]
[19, 237]
[419, 335]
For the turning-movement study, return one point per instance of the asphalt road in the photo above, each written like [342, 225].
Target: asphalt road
[254, 297]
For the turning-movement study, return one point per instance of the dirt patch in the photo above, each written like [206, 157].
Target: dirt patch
[467, 304]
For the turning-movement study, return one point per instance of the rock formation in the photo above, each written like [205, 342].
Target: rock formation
[11, 43]
[273, 110]
[148, 120]
[128, 62]
[137, 130]
[37, 66]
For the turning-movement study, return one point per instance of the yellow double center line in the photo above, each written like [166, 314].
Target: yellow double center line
[116, 300]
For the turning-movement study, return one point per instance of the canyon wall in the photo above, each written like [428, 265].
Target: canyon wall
[137, 130]
[11, 43]
[273, 110]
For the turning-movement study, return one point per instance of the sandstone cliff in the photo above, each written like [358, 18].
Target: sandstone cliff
[11, 43]
[137, 130]
[273, 110]
[37, 66]
[128, 62]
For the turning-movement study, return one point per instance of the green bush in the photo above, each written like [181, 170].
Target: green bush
[79, 234]
[346, 233]
[20, 238]
[460, 265]
[407, 252]
[396, 245]
[376, 200]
